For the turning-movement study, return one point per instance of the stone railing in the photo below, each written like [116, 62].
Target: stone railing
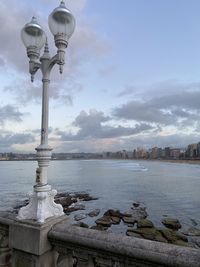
[5, 251]
[80, 247]
[57, 244]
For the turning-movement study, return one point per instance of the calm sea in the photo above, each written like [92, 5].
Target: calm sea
[171, 189]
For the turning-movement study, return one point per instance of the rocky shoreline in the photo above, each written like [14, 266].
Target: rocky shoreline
[135, 221]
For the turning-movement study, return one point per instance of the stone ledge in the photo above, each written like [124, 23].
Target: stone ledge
[151, 252]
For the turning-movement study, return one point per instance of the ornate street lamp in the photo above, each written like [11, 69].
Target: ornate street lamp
[62, 24]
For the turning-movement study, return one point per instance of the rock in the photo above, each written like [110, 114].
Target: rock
[84, 196]
[148, 233]
[173, 236]
[136, 213]
[74, 207]
[94, 213]
[182, 243]
[171, 223]
[115, 220]
[67, 200]
[131, 233]
[192, 231]
[129, 220]
[193, 222]
[170, 235]
[136, 204]
[79, 217]
[196, 241]
[144, 223]
[99, 227]
[104, 221]
[113, 213]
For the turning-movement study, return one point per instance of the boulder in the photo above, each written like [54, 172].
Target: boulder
[173, 236]
[104, 221]
[136, 204]
[144, 223]
[129, 220]
[115, 220]
[79, 217]
[136, 213]
[171, 223]
[113, 213]
[94, 213]
[131, 233]
[99, 227]
[147, 233]
[192, 231]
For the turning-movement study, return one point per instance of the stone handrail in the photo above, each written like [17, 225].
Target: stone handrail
[85, 247]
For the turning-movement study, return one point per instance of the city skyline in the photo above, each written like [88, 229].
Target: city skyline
[131, 77]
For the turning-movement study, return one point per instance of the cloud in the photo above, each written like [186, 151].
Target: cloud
[10, 139]
[129, 90]
[173, 107]
[91, 126]
[2, 62]
[10, 113]
[25, 92]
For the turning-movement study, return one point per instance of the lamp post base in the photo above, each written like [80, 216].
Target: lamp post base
[41, 205]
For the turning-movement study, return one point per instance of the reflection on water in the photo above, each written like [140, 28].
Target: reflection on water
[165, 188]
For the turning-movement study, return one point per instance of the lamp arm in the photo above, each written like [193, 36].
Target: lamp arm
[33, 68]
[54, 60]
[59, 59]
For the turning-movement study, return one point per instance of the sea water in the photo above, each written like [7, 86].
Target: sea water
[166, 189]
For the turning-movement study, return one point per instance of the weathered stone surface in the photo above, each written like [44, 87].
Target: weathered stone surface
[79, 217]
[129, 232]
[173, 236]
[74, 207]
[144, 223]
[94, 213]
[195, 240]
[136, 204]
[137, 213]
[99, 227]
[147, 233]
[129, 220]
[192, 231]
[115, 220]
[171, 223]
[104, 221]
[182, 243]
[113, 213]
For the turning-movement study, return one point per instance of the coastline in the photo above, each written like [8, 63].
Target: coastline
[186, 161]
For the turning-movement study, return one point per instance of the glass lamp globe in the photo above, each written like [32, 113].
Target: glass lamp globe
[32, 35]
[62, 22]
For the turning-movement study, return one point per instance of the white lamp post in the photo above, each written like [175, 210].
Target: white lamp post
[62, 24]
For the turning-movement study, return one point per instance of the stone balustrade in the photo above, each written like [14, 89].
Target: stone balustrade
[58, 244]
[80, 247]
[5, 251]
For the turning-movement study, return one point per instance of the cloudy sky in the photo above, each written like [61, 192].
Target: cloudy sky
[131, 79]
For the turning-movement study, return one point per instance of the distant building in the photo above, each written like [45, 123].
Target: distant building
[156, 153]
[167, 152]
[192, 151]
[175, 153]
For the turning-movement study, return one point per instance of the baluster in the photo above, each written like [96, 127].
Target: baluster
[5, 252]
